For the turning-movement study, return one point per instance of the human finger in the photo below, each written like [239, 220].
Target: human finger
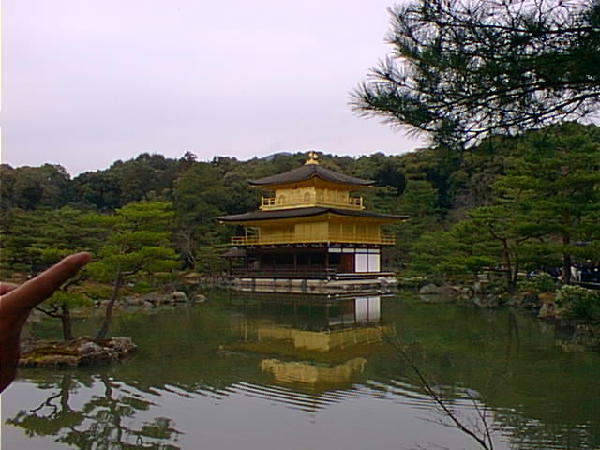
[36, 290]
[7, 287]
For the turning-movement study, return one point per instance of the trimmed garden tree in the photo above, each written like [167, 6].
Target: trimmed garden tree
[138, 244]
[42, 238]
[554, 182]
[546, 209]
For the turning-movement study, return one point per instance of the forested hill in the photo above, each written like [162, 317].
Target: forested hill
[438, 188]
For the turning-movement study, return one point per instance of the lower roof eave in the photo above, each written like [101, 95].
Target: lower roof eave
[257, 217]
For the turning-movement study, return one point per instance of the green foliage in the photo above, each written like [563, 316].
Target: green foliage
[420, 202]
[19, 250]
[96, 291]
[34, 240]
[68, 300]
[138, 245]
[28, 188]
[145, 174]
[451, 253]
[461, 69]
[209, 261]
[430, 250]
[552, 182]
[509, 204]
[138, 240]
[201, 194]
[580, 303]
[542, 206]
[100, 189]
[142, 286]
[539, 283]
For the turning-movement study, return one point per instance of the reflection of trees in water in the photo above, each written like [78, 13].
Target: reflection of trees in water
[460, 408]
[495, 360]
[104, 422]
[529, 434]
[477, 388]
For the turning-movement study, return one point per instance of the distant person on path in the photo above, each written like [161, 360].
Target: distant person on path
[16, 302]
[575, 272]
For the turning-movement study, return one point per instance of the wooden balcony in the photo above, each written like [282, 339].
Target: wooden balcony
[298, 238]
[271, 203]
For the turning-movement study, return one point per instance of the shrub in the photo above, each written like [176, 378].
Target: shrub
[539, 283]
[579, 303]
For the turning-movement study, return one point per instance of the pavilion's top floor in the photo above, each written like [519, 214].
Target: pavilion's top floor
[311, 186]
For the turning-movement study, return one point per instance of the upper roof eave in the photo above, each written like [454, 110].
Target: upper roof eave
[307, 172]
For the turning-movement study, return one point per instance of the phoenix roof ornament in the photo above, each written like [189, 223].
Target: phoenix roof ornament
[313, 158]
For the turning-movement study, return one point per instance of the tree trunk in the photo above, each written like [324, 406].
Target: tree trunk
[103, 332]
[567, 262]
[65, 317]
[511, 281]
[514, 278]
[566, 239]
[65, 391]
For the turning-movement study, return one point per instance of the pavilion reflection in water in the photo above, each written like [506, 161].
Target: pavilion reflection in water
[316, 341]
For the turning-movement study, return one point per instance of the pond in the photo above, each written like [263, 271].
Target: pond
[264, 372]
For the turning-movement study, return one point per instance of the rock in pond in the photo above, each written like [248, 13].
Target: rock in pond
[432, 293]
[76, 352]
[487, 301]
[179, 297]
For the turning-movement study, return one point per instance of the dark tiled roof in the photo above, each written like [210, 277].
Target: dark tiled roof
[305, 212]
[307, 172]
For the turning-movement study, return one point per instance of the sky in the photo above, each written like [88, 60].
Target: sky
[87, 82]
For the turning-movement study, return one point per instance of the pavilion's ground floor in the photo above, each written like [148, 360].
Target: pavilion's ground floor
[309, 268]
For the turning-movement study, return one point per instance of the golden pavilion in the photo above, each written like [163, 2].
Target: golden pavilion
[312, 233]
[310, 340]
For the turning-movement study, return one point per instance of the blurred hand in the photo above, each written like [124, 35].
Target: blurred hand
[16, 302]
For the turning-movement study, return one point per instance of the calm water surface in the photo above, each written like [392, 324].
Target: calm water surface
[272, 372]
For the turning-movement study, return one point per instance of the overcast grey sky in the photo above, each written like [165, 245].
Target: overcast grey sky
[86, 82]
